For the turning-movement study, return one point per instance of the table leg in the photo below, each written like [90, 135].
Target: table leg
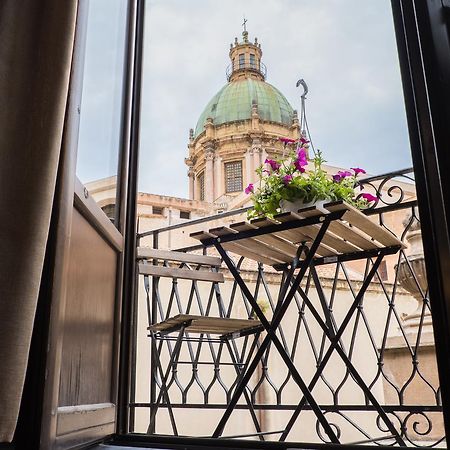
[334, 345]
[272, 337]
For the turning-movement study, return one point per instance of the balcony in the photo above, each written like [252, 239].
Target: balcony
[387, 345]
[246, 66]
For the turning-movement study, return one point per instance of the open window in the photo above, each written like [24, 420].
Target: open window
[163, 293]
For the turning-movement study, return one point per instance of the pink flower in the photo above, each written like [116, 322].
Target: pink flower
[299, 166]
[273, 164]
[341, 175]
[357, 170]
[301, 160]
[287, 140]
[301, 156]
[303, 140]
[287, 179]
[369, 197]
[249, 189]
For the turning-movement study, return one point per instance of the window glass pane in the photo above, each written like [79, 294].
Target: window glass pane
[100, 112]
[201, 181]
[233, 176]
[241, 60]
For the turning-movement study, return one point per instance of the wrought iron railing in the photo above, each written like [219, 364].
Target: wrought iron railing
[389, 341]
[249, 66]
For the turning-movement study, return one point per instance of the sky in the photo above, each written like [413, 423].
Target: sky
[345, 50]
[100, 118]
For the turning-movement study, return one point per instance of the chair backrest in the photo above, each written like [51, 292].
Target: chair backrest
[160, 258]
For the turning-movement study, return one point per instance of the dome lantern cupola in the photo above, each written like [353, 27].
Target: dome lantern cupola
[246, 59]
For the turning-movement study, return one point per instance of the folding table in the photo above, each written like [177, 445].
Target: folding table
[295, 243]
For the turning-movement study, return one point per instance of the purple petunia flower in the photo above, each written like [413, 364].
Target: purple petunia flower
[345, 173]
[369, 197]
[303, 140]
[299, 166]
[273, 164]
[300, 162]
[287, 179]
[287, 140]
[357, 170]
[249, 189]
[341, 175]
[301, 156]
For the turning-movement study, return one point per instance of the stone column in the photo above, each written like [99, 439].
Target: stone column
[256, 147]
[249, 171]
[190, 163]
[218, 191]
[264, 155]
[209, 174]
[195, 181]
[191, 183]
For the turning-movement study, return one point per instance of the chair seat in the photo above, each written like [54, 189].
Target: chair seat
[207, 325]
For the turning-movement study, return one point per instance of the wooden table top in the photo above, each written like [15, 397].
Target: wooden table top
[352, 234]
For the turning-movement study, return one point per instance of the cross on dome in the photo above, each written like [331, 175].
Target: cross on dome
[245, 32]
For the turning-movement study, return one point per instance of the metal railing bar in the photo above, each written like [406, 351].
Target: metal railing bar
[388, 175]
[368, 441]
[390, 208]
[291, 407]
[233, 212]
[211, 363]
[262, 433]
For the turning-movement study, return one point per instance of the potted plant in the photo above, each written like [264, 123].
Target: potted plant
[288, 184]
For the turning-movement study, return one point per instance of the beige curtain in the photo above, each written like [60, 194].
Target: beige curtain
[36, 44]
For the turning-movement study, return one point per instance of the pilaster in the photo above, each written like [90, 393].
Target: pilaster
[249, 170]
[191, 183]
[209, 172]
[257, 153]
[218, 189]
[255, 116]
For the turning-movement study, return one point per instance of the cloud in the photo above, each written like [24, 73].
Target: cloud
[344, 49]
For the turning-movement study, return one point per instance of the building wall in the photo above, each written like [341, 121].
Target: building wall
[250, 141]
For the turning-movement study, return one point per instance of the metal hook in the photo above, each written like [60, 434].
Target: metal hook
[302, 83]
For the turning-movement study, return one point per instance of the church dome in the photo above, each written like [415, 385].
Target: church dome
[234, 102]
[238, 130]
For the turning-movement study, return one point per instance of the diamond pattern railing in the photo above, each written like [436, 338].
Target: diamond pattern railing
[389, 341]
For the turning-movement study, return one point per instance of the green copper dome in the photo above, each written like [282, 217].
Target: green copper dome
[234, 102]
